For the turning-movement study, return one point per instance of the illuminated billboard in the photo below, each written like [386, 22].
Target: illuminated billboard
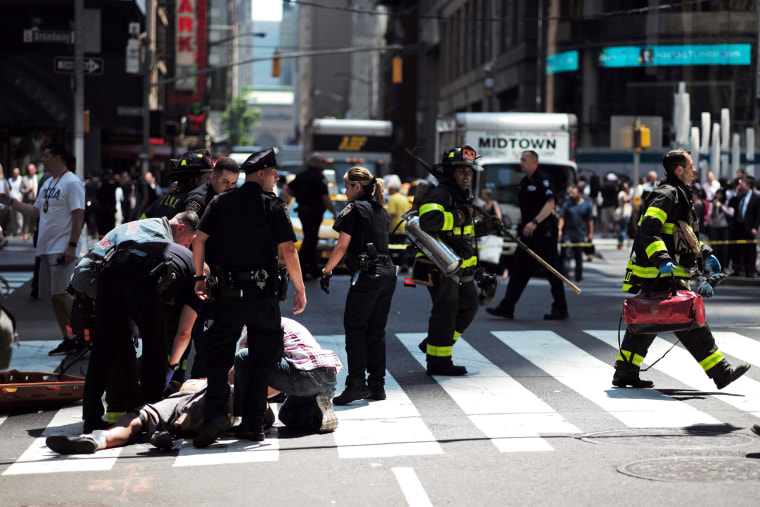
[562, 62]
[690, 54]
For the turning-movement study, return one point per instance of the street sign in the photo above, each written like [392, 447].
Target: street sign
[92, 66]
[34, 36]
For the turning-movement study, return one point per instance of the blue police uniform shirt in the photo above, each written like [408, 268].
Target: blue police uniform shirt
[140, 231]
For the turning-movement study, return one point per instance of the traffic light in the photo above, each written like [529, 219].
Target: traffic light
[398, 74]
[276, 64]
[642, 137]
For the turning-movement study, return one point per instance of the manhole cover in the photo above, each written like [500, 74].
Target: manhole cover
[694, 469]
[680, 438]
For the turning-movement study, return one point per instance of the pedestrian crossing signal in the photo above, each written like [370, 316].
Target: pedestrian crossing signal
[398, 74]
[642, 137]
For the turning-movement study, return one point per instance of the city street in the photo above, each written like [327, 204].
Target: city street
[535, 422]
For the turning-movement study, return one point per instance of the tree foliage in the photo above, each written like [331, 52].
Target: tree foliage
[238, 121]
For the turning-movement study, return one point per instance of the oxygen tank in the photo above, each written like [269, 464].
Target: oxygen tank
[442, 256]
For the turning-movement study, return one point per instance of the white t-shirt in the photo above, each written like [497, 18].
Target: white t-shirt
[63, 195]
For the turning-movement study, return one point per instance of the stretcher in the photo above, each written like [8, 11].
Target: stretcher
[38, 389]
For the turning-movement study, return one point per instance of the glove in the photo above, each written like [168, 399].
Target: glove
[713, 264]
[462, 216]
[716, 279]
[705, 290]
[666, 268]
[492, 225]
[169, 375]
[324, 283]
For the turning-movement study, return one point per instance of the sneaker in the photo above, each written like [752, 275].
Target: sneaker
[64, 348]
[325, 414]
[211, 430]
[162, 440]
[62, 444]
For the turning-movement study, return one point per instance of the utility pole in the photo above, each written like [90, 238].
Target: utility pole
[147, 65]
[79, 86]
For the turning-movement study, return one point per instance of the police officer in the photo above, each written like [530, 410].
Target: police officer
[539, 231]
[658, 256]
[190, 171]
[248, 226]
[363, 240]
[224, 177]
[447, 214]
[149, 284]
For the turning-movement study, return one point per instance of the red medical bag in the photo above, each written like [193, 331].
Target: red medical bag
[659, 312]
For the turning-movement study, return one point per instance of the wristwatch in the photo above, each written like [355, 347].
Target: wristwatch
[534, 221]
[73, 243]
[174, 367]
[199, 278]
[326, 274]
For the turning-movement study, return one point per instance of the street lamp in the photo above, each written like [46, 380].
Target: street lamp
[370, 89]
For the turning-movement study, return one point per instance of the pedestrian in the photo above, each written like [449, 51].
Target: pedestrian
[657, 256]
[538, 229]
[150, 284]
[13, 188]
[306, 373]
[363, 241]
[608, 195]
[60, 208]
[29, 188]
[190, 171]
[744, 226]
[623, 213]
[313, 198]
[398, 204]
[711, 186]
[576, 225]
[248, 226]
[105, 215]
[718, 220]
[224, 177]
[447, 214]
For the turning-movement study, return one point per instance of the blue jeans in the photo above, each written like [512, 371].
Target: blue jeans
[301, 386]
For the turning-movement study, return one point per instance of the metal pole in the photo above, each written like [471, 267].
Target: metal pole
[79, 87]
[147, 66]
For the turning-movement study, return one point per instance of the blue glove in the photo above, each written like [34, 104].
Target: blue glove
[169, 375]
[705, 290]
[666, 268]
[713, 263]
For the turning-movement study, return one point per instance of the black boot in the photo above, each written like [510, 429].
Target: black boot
[627, 374]
[356, 389]
[723, 373]
[423, 346]
[376, 389]
[444, 366]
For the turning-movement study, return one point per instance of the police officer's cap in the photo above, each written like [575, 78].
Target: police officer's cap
[192, 162]
[259, 161]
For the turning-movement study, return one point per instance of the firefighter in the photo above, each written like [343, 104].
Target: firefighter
[190, 171]
[447, 213]
[363, 227]
[666, 246]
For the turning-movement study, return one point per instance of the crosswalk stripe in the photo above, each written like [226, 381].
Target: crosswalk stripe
[510, 415]
[376, 429]
[682, 367]
[228, 452]
[38, 459]
[590, 377]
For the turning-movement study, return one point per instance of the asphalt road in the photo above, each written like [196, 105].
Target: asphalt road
[536, 421]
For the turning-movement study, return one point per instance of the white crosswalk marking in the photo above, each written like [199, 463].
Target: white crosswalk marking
[637, 408]
[392, 427]
[228, 452]
[505, 411]
[15, 279]
[680, 365]
[38, 459]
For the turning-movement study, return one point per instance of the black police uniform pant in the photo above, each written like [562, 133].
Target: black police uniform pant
[699, 342]
[261, 314]
[311, 219]
[523, 267]
[126, 293]
[455, 305]
[364, 319]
